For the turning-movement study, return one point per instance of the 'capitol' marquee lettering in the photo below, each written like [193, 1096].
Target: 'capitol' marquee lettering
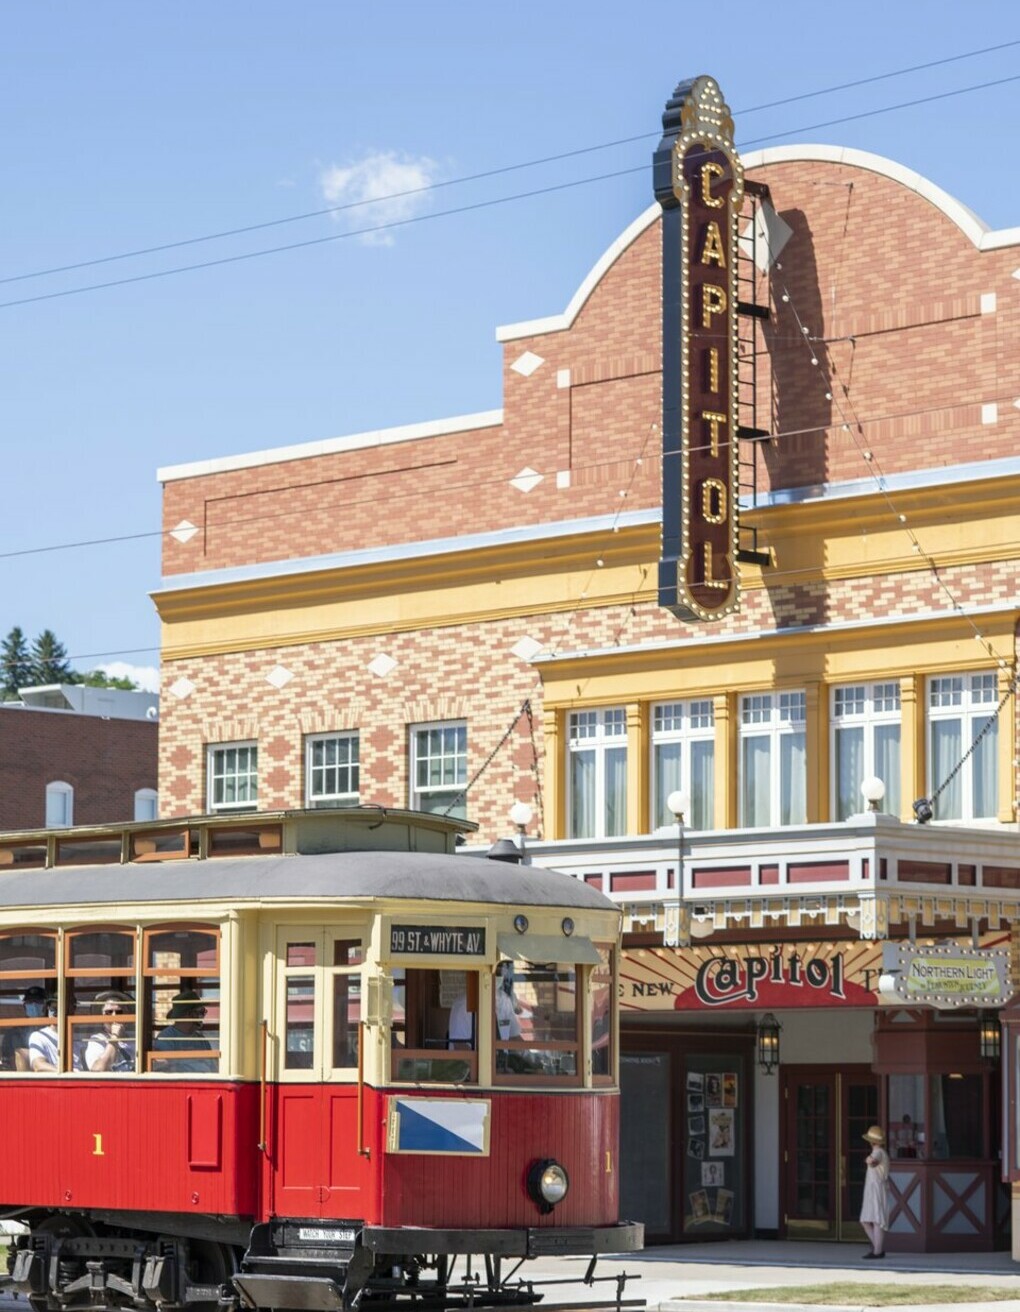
[722, 980]
[698, 570]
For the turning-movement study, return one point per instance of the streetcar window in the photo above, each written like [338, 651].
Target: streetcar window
[27, 983]
[23, 856]
[535, 1015]
[348, 955]
[88, 851]
[299, 1024]
[600, 1003]
[183, 1005]
[434, 1027]
[101, 1019]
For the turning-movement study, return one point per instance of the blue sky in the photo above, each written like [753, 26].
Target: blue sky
[129, 125]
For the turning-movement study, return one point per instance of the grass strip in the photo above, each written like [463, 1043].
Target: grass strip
[860, 1294]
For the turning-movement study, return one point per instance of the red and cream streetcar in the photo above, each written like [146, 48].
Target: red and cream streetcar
[295, 1060]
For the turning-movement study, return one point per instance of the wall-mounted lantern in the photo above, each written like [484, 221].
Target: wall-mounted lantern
[768, 1043]
[989, 1036]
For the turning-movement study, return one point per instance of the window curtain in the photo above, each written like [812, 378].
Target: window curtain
[582, 794]
[887, 765]
[755, 800]
[667, 780]
[945, 755]
[985, 771]
[849, 772]
[793, 765]
[702, 785]
[616, 791]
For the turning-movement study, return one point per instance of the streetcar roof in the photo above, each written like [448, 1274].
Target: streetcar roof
[410, 876]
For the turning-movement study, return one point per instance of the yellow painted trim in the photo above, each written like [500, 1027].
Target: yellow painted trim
[1007, 747]
[836, 540]
[638, 739]
[725, 774]
[913, 756]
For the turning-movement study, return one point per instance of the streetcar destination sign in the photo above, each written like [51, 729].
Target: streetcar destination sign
[438, 940]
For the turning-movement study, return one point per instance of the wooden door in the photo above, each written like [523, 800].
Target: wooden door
[316, 1168]
[825, 1113]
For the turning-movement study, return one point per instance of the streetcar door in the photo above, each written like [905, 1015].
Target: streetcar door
[315, 1167]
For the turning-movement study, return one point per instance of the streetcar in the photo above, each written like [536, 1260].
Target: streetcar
[304, 1060]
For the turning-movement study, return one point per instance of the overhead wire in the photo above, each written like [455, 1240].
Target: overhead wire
[439, 184]
[410, 220]
[499, 480]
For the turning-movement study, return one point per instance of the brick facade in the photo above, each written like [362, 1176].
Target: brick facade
[914, 329]
[104, 760]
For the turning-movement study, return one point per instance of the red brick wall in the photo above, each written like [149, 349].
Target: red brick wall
[889, 289]
[877, 271]
[105, 762]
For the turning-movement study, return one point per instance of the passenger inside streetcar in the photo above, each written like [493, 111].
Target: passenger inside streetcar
[184, 1035]
[112, 1048]
[44, 1044]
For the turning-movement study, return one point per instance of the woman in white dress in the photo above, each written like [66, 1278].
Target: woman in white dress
[875, 1204]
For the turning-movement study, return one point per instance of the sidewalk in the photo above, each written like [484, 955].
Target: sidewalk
[672, 1278]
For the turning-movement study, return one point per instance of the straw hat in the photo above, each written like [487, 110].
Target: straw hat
[876, 1135]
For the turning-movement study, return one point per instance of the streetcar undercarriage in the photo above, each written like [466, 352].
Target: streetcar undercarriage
[68, 1262]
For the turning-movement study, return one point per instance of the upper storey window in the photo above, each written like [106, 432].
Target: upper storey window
[683, 757]
[233, 777]
[773, 774]
[960, 707]
[439, 768]
[865, 742]
[332, 769]
[597, 764]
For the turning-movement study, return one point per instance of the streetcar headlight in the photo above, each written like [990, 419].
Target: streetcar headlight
[547, 1184]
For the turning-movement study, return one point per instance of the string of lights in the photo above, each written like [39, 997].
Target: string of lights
[924, 807]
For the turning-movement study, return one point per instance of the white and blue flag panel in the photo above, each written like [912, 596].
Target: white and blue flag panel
[439, 1125]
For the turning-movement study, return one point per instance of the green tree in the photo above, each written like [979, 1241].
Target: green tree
[49, 663]
[15, 664]
[100, 679]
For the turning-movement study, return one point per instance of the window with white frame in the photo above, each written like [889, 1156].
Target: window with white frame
[683, 757]
[332, 769]
[773, 773]
[597, 772]
[233, 776]
[865, 742]
[146, 804]
[59, 805]
[960, 708]
[439, 768]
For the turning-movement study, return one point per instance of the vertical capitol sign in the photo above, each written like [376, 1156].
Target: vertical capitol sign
[699, 182]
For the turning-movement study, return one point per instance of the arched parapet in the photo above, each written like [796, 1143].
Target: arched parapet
[974, 228]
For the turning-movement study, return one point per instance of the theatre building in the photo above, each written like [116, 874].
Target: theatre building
[726, 592]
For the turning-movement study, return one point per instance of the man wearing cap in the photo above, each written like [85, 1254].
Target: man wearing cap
[875, 1204]
[113, 1047]
[14, 1050]
[184, 1034]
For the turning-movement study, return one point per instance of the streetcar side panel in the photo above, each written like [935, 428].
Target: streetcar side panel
[122, 1144]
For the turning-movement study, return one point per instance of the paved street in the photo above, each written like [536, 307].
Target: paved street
[684, 1272]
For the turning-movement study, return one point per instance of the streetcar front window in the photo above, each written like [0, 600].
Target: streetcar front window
[600, 998]
[434, 1030]
[536, 1021]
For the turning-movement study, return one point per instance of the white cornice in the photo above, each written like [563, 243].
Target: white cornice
[910, 480]
[966, 220]
[333, 445]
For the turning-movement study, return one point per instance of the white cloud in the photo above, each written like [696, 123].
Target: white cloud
[383, 188]
[146, 676]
